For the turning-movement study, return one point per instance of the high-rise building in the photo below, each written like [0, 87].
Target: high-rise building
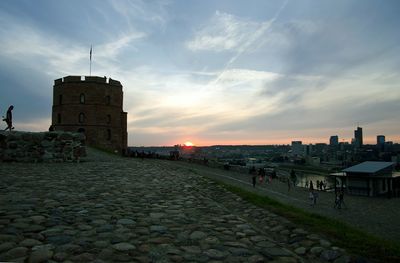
[358, 137]
[297, 148]
[380, 142]
[380, 139]
[334, 140]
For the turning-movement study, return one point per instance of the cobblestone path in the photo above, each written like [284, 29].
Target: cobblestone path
[374, 215]
[126, 210]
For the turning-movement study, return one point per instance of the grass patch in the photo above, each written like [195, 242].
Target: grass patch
[353, 240]
[104, 150]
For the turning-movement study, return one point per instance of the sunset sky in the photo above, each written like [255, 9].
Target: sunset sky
[212, 72]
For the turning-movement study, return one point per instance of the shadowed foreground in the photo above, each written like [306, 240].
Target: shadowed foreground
[115, 209]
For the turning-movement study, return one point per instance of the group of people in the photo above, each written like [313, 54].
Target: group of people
[320, 185]
[313, 194]
[261, 173]
[8, 118]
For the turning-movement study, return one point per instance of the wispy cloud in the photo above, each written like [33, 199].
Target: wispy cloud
[58, 56]
[136, 10]
[224, 32]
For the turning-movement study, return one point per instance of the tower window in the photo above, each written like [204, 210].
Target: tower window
[59, 118]
[81, 117]
[60, 97]
[108, 118]
[108, 100]
[108, 134]
[82, 98]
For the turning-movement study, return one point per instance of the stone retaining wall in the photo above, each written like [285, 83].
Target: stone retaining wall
[55, 146]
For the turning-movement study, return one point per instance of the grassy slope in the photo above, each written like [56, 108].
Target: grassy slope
[345, 236]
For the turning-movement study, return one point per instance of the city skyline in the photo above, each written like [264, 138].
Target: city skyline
[212, 72]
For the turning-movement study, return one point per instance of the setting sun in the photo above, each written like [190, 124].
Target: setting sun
[188, 144]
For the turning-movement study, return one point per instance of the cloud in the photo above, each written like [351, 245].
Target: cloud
[236, 79]
[191, 106]
[224, 32]
[299, 122]
[138, 10]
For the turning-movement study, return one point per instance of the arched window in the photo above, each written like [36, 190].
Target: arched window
[82, 98]
[108, 134]
[108, 119]
[60, 99]
[81, 117]
[108, 100]
[59, 118]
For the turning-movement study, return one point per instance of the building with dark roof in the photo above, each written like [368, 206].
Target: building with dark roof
[371, 179]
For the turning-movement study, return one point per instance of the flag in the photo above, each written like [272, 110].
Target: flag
[90, 52]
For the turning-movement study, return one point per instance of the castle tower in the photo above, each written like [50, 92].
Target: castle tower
[93, 106]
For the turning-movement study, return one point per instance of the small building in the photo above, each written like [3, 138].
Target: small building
[371, 179]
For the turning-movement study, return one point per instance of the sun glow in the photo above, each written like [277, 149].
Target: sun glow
[189, 144]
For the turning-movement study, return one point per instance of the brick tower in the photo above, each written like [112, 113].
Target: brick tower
[91, 105]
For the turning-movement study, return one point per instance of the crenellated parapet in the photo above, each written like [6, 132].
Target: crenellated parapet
[87, 79]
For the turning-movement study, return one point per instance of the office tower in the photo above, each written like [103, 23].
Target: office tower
[380, 139]
[334, 140]
[358, 138]
[380, 142]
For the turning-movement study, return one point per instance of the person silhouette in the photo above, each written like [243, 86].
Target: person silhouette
[8, 118]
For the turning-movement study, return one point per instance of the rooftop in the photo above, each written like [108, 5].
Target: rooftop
[368, 167]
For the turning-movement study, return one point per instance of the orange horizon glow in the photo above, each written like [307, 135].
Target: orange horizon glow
[367, 140]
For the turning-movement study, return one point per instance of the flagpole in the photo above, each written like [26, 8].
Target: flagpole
[90, 69]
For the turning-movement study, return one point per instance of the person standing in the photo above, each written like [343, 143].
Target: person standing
[293, 177]
[8, 118]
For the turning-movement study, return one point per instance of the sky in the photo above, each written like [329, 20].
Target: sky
[212, 71]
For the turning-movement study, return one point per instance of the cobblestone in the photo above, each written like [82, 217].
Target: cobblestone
[116, 209]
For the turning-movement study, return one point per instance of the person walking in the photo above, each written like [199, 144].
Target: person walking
[311, 197]
[261, 174]
[336, 205]
[315, 195]
[253, 174]
[8, 118]
[341, 199]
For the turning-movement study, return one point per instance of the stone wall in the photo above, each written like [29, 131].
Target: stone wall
[56, 146]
